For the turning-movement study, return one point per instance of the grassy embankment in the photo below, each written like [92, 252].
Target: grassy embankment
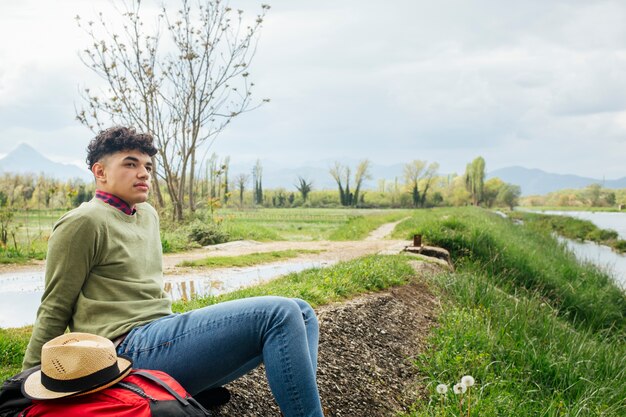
[572, 228]
[542, 334]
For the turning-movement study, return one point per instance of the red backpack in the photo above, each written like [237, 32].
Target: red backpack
[143, 393]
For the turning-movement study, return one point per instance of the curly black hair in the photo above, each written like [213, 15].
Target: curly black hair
[118, 138]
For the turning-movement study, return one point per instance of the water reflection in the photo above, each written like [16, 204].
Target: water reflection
[604, 257]
[216, 282]
[20, 293]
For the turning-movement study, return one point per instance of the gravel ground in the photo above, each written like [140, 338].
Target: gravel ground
[365, 359]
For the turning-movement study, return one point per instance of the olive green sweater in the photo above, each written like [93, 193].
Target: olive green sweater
[104, 275]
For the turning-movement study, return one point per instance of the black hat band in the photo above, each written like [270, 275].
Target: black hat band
[80, 384]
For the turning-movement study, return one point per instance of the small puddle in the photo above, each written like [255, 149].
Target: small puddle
[20, 292]
[216, 282]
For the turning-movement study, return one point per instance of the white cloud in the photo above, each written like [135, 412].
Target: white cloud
[534, 83]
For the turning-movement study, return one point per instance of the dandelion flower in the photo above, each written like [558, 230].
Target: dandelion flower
[442, 388]
[467, 380]
[459, 388]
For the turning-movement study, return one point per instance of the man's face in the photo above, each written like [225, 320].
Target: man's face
[125, 174]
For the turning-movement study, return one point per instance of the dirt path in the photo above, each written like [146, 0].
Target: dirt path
[384, 230]
[331, 251]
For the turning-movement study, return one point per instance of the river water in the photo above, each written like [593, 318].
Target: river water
[603, 256]
[20, 292]
[602, 219]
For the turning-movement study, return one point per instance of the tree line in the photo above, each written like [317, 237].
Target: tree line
[420, 186]
[593, 195]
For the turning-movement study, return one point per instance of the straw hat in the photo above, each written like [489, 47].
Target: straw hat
[76, 364]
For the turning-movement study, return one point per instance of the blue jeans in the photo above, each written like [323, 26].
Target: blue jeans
[214, 345]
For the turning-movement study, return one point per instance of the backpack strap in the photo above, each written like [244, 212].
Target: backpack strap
[165, 386]
[162, 384]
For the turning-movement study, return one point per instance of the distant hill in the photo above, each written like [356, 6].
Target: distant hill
[26, 160]
[538, 182]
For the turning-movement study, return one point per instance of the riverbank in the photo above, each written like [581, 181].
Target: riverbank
[574, 208]
[572, 228]
[540, 333]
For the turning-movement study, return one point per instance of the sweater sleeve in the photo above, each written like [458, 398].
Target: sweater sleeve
[72, 248]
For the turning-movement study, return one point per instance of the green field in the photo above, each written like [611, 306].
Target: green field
[27, 234]
[306, 224]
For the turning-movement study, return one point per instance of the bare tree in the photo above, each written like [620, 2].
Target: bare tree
[184, 88]
[362, 173]
[341, 175]
[241, 180]
[257, 178]
[304, 187]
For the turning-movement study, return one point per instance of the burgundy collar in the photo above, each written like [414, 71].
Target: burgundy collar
[116, 202]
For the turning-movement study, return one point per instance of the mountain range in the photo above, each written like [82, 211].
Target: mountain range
[24, 159]
[538, 182]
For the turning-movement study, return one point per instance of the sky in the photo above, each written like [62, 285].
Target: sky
[535, 83]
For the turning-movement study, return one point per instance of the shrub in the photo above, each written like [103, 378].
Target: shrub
[207, 233]
[601, 235]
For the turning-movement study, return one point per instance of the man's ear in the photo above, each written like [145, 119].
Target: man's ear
[99, 172]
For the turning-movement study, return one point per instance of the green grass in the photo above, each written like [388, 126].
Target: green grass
[305, 224]
[13, 344]
[526, 360]
[542, 334]
[246, 260]
[358, 228]
[28, 233]
[284, 224]
[248, 230]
